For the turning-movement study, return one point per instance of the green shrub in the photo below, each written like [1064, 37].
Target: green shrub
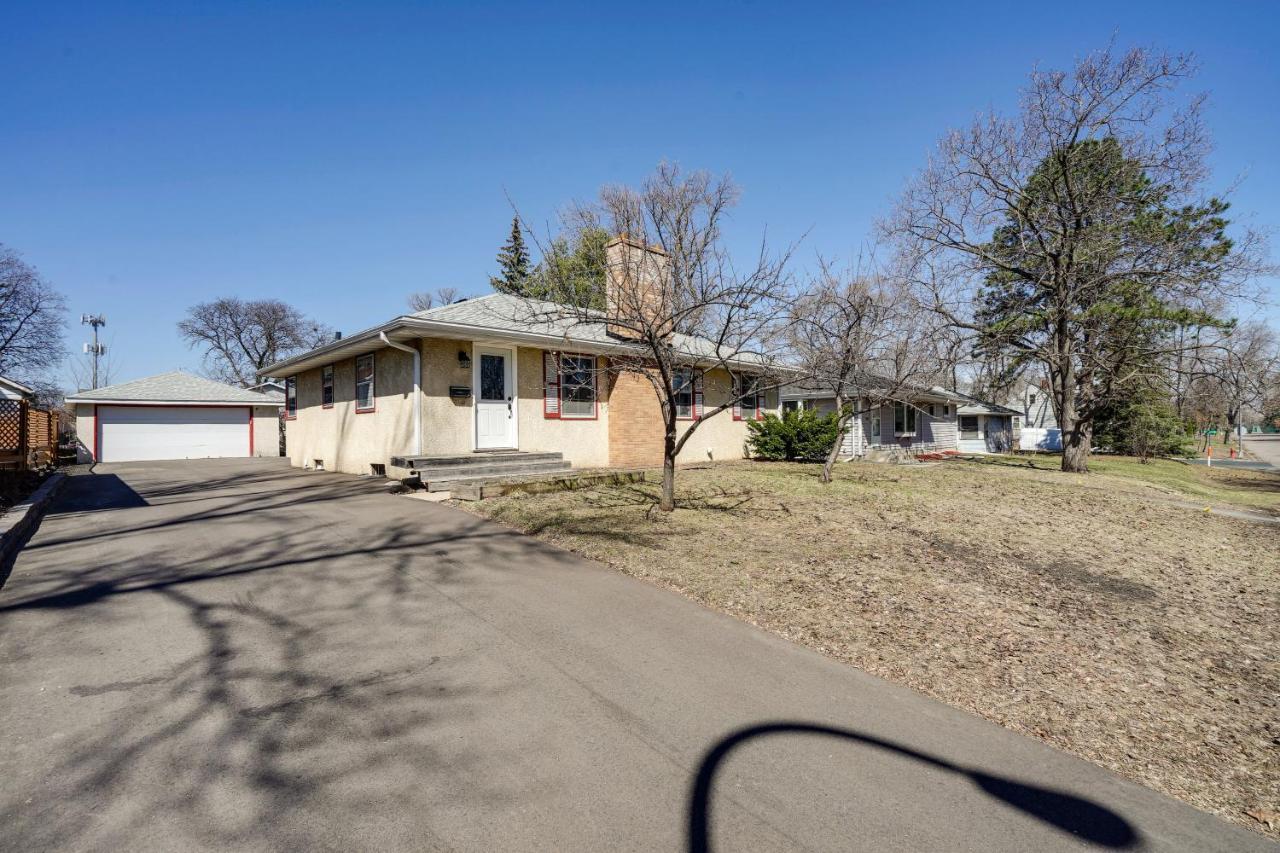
[1143, 425]
[804, 435]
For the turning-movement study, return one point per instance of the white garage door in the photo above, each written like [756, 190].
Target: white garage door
[130, 433]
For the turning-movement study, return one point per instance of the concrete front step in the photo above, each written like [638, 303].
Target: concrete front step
[452, 481]
[480, 488]
[466, 460]
[445, 473]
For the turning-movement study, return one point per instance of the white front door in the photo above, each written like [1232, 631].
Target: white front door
[495, 398]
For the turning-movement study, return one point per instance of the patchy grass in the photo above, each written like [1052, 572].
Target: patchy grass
[1092, 612]
[1229, 487]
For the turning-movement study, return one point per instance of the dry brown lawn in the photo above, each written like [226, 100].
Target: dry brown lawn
[1095, 612]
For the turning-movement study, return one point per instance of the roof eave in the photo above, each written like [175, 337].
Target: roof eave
[369, 339]
[124, 401]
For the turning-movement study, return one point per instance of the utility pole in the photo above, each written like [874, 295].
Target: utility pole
[95, 348]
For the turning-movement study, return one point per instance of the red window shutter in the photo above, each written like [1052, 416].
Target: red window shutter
[697, 395]
[550, 385]
[759, 407]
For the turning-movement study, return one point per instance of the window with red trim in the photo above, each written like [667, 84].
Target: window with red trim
[326, 386]
[365, 371]
[683, 383]
[748, 406]
[577, 386]
[291, 397]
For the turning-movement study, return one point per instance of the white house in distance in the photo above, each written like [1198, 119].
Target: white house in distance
[174, 416]
[11, 390]
[1040, 430]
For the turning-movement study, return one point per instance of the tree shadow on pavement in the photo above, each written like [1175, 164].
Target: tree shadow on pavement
[287, 709]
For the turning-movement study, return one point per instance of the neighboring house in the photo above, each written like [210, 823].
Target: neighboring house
[1039, 424]
[11, 390]
[499, 373]
[174, 416]
[925, 421]
[987, 427]
[272, 389]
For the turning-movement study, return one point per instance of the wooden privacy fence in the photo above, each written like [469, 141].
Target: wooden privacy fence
[28, 436]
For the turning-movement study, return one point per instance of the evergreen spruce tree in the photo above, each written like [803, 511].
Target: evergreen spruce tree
[513, 264]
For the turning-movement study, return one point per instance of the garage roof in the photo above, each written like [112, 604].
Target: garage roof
[174, 388]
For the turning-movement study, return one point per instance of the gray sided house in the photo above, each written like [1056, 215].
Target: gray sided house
[924, 422]
[987, 427]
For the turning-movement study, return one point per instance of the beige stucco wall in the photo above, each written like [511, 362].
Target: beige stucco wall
[84, 433]
[449, 424]
[719, 437]
[342, 438]
[266, 431]
[585, 443]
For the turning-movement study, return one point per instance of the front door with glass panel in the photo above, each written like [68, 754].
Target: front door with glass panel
[495, 399]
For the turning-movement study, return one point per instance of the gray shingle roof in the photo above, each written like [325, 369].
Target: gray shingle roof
[505, 312]
[175, 386]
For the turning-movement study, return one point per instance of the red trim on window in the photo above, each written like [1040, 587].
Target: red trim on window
[333, 386]
[251, 430]
[373, 383]
[95, 432]
[550, 367]
[595, 387]
[760, 407]
[286, 415]
[695, 397]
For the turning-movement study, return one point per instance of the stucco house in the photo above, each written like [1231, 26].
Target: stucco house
[496, 375]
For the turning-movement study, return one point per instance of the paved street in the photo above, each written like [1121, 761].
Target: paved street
[1265, 447]
[233, 655]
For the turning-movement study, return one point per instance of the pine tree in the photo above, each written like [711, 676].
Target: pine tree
[513, 263]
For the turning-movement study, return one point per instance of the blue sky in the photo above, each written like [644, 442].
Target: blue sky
[340, 156]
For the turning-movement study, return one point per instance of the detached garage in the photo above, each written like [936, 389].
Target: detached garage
[174, 416]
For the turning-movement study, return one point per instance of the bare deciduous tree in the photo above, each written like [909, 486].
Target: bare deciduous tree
[1235, 372]
[679, 306]
[425, 300]
[239, 337]
[1075, 235]
[32, 317]
[858, 338]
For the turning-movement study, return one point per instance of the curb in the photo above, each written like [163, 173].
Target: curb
[22, 520]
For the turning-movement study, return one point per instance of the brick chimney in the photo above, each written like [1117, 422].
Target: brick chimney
[636, 278]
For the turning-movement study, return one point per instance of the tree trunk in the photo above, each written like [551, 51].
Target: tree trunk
[834, 452]
[667, 502]
[1075, 449]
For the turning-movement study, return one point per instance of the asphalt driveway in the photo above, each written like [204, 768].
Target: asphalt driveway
[233, 655]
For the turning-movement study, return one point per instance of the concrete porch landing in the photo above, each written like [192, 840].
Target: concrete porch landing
[445, 473]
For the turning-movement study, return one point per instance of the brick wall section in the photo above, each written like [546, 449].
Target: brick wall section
[635, 423]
